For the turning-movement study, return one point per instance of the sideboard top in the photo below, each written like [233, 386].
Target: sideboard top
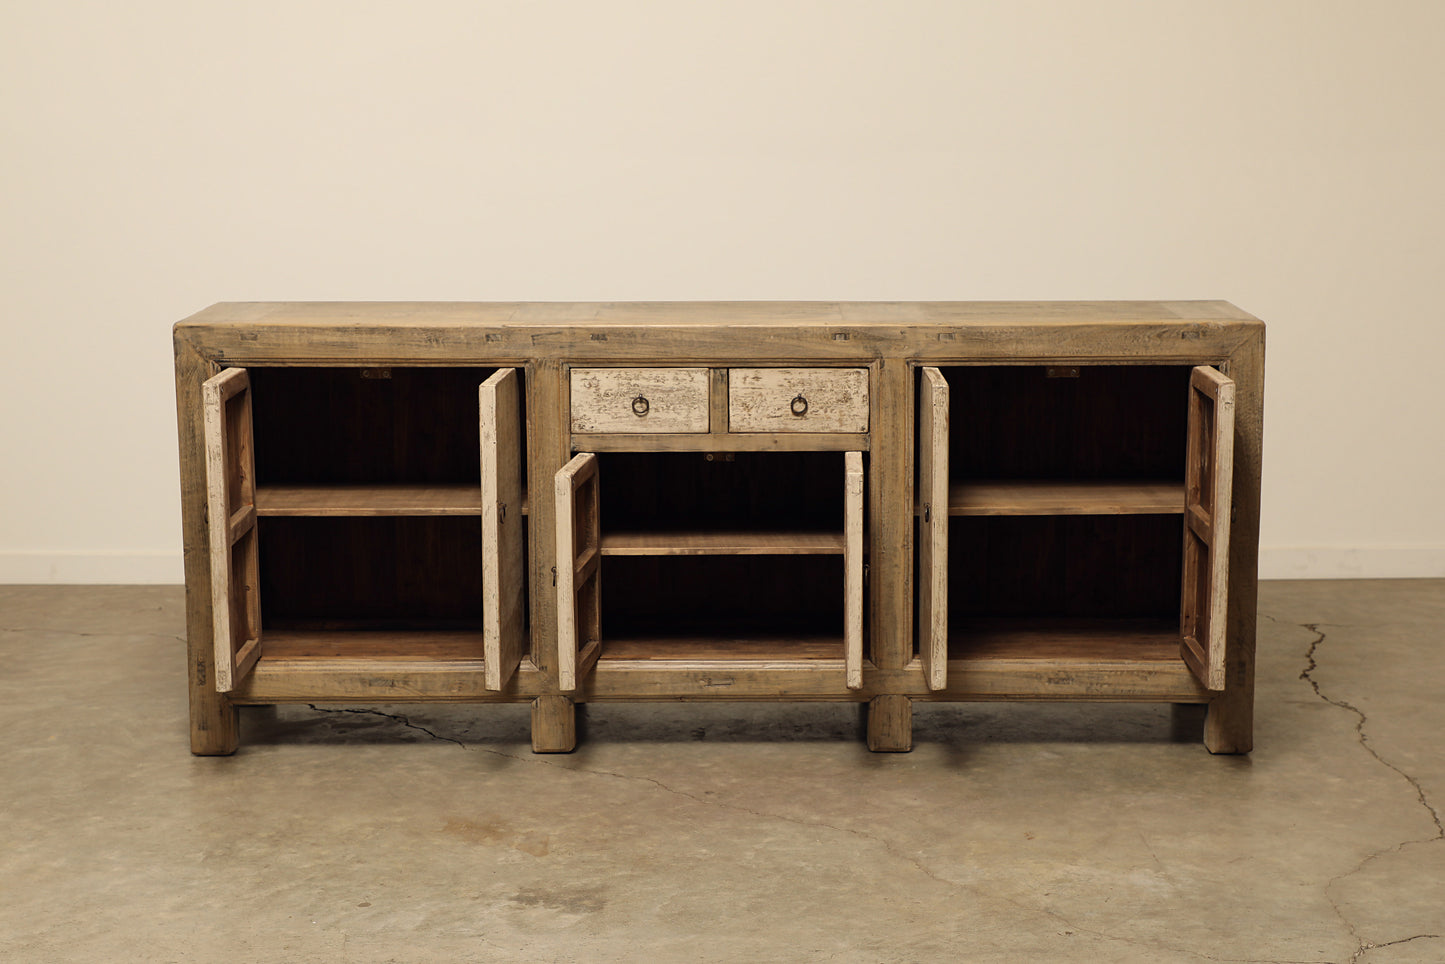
[712, 332]
[791, 314]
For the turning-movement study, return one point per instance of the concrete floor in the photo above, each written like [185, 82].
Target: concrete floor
[724, 832]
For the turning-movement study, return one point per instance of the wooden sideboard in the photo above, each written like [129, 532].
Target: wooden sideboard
[866, 502]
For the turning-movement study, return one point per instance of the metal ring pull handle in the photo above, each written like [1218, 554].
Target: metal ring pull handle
[799, 405]
[640, 405]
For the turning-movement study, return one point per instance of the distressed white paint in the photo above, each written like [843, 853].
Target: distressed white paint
[639, 400]
[798, 400]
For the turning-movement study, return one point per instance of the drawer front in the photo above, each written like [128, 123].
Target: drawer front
[798, 400]
[638, 400]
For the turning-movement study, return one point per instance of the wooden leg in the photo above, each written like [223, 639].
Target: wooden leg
[554, 725]
[215, 724]
[1229, 725]
[890, 724]
[579, 713]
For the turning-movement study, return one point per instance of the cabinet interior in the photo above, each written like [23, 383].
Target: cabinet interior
[1065, 503]
[1091, 422]
[371, 572]
[368, 492]
[359, 426]
[722, 555]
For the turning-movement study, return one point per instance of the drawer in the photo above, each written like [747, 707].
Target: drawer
[635, 400]
[798, 400]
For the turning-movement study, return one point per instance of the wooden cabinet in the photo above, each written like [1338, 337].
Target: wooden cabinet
[711, 564]
[1077, 516]
[374, 515]
[877, 503]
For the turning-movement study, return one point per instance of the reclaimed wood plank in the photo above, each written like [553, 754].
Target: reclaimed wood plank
[721, 442]
[933, 510]
[853, 582]
[436, 499]
[504, 534]
[747, 543]
[1065, 497]
[723, 647]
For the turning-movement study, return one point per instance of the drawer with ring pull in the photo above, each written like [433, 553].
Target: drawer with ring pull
[639, 400]
[798, 400]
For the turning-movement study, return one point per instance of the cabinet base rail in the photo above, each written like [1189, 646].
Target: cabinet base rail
[644, 680]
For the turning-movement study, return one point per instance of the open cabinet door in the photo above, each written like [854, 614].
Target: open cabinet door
[1208, 481]
[578, 543]
[231, 524]
[933, 527]
[853, 568]
[504, 617]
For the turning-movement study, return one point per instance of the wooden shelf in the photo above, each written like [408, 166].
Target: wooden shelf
[381, 644]
[723, 647]
[1150, 640]
[722, 544]
[449, 499]
[1065, 497]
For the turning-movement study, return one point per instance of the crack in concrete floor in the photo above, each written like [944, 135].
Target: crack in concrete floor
[1363, 946]
[397, 717]
[1308, 676]
[1404, 940]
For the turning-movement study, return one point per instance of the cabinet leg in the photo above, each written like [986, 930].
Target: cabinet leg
[215, 724]
[554, 725]
[890, 723]
[1229, 724]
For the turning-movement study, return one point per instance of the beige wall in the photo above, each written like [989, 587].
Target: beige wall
[160, 156]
